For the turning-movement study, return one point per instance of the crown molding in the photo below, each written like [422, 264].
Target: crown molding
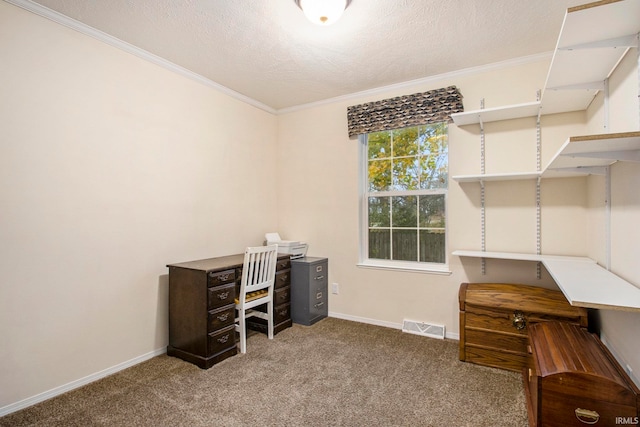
[68, 22]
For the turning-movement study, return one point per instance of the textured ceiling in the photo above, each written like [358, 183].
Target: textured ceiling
[268, 51]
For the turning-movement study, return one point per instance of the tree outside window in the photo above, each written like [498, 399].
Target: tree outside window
[407, 171]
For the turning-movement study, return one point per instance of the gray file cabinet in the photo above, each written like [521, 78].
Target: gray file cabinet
[309, 299]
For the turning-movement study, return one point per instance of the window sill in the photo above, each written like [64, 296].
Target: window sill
[441, 269]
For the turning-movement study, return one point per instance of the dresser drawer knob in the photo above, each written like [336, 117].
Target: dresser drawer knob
[586, 416]
[318, 305]
[519, 321]
[223, 317]
[319, 277]
[223, 339]
[221, 277]
[223, 295]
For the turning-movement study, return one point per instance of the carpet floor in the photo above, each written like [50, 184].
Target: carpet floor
[334, 373]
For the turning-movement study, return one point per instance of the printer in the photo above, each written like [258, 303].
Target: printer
[294, 248]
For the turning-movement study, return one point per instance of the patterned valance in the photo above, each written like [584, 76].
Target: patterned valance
[403, 111]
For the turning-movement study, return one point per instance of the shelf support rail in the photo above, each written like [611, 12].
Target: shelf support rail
[606, 105]
[482, 195]
[538, 209]
[607, 217]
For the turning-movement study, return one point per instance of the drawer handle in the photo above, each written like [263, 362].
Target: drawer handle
[222, 276]
[223, 317]
[223, 295]
[223, 339]
[283, 313]
[319, 295]
[319, 277]
[586, 416]
[284, 278]
[318, 305]
[519, 321]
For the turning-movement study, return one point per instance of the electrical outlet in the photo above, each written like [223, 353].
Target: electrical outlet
[334, 288]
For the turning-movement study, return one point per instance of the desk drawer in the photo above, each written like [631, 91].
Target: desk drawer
[281, 313]
[283, 264]
[219, 296]
[219, 277]
[282, 296]
[283, 278]
[221, 317]
[221, 340]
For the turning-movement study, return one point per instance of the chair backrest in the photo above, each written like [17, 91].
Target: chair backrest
[259, 269]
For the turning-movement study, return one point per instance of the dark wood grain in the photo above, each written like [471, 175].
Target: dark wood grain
[571, 369]
[202, 309]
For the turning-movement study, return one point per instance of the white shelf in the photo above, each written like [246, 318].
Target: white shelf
[591, 286]
[497, 177]
[579, 155]
[583, 282]
[485, 115]
[589, 154]
[515, 256]
[592, 41]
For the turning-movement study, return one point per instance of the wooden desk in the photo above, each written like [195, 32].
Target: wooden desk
[202, 308]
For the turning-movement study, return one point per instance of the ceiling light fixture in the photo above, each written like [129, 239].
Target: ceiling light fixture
[323, 12]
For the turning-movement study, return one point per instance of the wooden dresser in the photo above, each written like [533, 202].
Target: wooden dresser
[495, 317]
[574, 380]
[202, 308]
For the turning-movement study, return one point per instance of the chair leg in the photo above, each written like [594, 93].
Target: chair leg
[243, 333]
[270, 320]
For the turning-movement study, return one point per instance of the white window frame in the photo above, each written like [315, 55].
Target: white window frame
[363, 190]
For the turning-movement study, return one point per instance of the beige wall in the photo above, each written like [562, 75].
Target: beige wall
[318, 199]
[620, 330]
[110, 168]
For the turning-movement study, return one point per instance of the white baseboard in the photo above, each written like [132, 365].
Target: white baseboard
[620, 360]
[41, 397]
[448, 335]
[5, 410]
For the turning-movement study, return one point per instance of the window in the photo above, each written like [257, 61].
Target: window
[404, 192]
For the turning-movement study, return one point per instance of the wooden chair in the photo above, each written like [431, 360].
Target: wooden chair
[256, 288]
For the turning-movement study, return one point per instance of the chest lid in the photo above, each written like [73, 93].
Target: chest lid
[572, 356]
[509, 297]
